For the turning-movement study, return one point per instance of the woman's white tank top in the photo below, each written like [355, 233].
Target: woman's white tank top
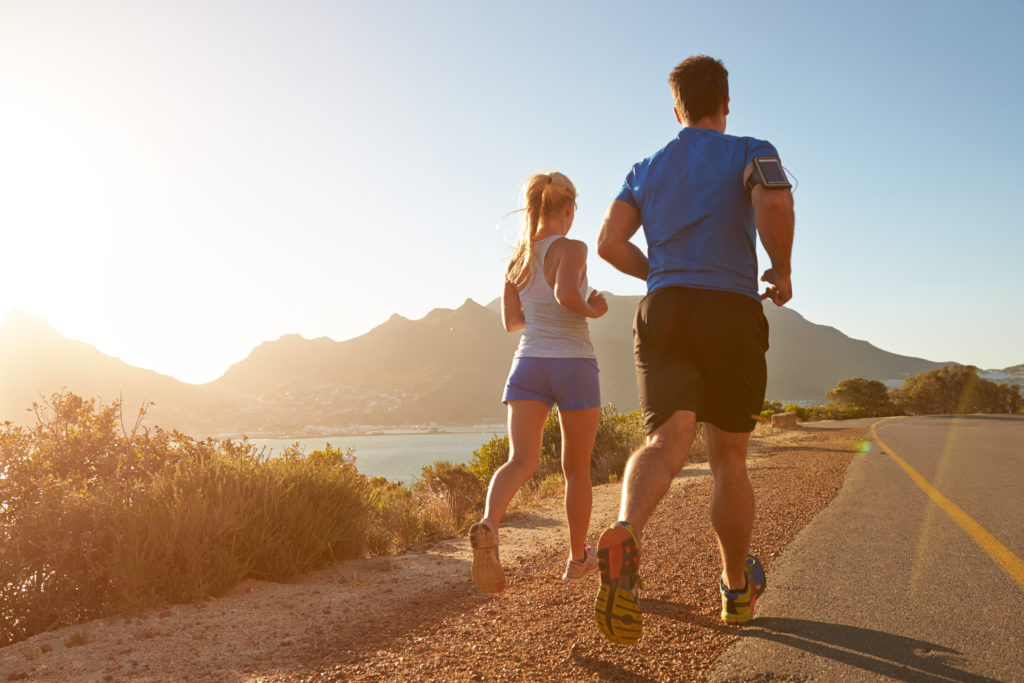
[552, 330]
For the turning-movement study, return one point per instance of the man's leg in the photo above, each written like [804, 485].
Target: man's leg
[652, 467]
[648, 476]
[732, 501]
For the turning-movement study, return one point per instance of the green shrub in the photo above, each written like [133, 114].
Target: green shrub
[618, 435]
[804, 414]
[489, 457]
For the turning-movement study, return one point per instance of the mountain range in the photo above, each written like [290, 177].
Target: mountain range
[448, 367]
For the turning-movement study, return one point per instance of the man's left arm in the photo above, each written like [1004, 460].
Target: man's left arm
[620, 224]
[775, 221]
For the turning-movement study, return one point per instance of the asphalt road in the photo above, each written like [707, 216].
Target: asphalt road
[885, 584]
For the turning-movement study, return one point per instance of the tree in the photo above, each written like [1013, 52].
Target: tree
[857, 392]
[956, 390]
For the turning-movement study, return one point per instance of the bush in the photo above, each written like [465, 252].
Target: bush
[618, 435]
[489, 457]
[395, 517]
[98, 519]
[804, 414]
[450, 499]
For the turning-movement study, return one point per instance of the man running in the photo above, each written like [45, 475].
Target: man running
[700, 334]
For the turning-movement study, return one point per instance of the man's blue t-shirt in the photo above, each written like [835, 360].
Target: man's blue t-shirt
[696, 214]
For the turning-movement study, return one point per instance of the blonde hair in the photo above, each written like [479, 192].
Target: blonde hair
[544, 195]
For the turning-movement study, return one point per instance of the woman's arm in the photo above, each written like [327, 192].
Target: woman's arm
[570, 267]
[511, 308]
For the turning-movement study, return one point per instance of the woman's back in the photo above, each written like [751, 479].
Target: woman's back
[552, 331]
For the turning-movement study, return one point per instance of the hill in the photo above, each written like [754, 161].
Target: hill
[450, 366]
[447, 367]
[36, 361]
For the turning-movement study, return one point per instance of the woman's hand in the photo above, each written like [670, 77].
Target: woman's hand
[512, 317]
[597, 303]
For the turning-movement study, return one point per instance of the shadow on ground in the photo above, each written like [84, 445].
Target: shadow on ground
[885, 654]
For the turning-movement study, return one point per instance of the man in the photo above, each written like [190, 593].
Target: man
[700, 334]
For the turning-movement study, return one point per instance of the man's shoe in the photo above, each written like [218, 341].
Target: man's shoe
[738, 608]
[487, 570]
[617, 607]
[577, 571]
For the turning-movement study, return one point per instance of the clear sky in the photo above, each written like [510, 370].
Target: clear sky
[181, 181]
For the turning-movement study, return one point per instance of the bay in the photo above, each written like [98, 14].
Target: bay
[399, 457]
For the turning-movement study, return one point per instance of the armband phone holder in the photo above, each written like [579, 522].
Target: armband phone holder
[768, 172]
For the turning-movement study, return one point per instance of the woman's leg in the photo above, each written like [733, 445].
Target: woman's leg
[525, 433]
[579, 429]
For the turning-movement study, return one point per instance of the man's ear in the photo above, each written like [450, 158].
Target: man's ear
[725, 107]
[679, 118]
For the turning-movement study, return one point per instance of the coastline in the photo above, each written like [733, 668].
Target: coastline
[368, 430]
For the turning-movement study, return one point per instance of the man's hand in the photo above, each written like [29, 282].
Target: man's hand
[780, 288]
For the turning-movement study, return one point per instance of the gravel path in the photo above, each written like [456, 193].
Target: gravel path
[419, 617]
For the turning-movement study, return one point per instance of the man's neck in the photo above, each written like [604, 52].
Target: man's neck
[709, 122]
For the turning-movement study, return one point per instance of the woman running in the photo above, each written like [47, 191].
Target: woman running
[546, 293]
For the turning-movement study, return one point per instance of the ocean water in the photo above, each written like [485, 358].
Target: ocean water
[399, 457]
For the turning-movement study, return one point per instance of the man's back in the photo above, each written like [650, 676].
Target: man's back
[696, 216]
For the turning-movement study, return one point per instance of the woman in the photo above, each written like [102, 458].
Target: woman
[545, 293]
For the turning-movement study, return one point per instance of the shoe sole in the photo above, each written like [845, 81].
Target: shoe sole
[616, 611]
[487, 570]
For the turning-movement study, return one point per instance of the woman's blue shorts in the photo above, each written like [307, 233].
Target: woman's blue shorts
[572, 383]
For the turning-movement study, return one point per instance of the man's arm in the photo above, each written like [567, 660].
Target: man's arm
[775, 220]
[620, 223]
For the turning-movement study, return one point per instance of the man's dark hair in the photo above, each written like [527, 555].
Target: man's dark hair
[700, 85]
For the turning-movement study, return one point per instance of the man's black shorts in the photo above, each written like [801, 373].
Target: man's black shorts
[700, 350]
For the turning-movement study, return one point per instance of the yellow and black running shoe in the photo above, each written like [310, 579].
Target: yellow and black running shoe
[617, 607]
[738, 608]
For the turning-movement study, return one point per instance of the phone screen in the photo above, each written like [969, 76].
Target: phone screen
[772, 171]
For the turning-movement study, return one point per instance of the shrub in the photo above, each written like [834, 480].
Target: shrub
[618, 435]
[97, 519]
[804, 414]
[489, 457]
[450, 498]
[395, 517]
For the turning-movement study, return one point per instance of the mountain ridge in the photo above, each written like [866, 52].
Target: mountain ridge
[447, 367]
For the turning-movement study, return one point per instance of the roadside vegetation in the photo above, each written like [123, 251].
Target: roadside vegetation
[99, 516]
[949, 390]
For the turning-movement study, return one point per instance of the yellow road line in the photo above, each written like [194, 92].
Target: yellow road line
[1002, 555]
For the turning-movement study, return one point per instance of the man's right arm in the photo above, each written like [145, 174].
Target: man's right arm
[775, 220]
[620, 224]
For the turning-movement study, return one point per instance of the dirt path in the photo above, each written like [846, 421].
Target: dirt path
[419, 616]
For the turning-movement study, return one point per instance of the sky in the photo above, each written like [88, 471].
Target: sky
[180, 182]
